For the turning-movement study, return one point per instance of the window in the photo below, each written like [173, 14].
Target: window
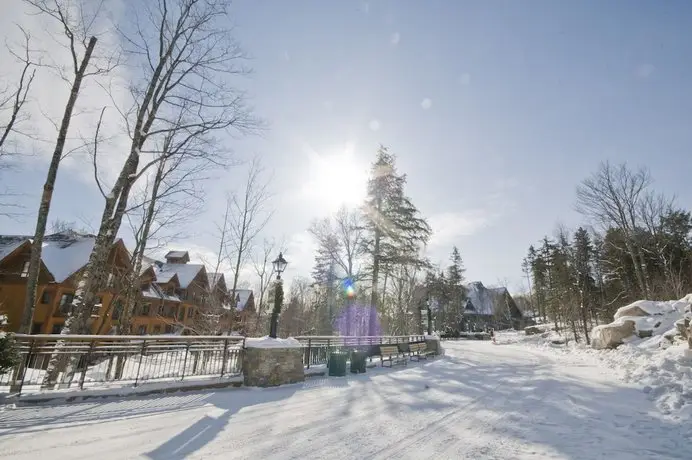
[36, 328]
[190, 312]
[169, 311]
[169, 329]
[111, 278]
[56, 329]
[157, 329]
[181, 313]
[25, 269]
[46, 297]
[65, 302]
[99, 300]
[142, 330]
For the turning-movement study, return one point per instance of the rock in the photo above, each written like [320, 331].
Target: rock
[682, 325]
[633, 309]
[532, 330]
[611, 335]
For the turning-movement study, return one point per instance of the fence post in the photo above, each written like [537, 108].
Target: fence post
[225, 356]
[309, 352]
[141, 355]
[86, 364]
[187, 349]
[20, 371]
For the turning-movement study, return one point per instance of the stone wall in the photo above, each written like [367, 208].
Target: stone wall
[433, 344]
[268, 367]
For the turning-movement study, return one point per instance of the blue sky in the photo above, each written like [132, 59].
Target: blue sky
[496, 110]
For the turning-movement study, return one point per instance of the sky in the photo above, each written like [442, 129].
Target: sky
[495, 110]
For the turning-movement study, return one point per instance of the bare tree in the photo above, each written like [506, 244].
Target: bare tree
[187, 54]
[264, 268]
[172, 198]
[13, 98]
[248, 217]
[612, 197]
[76, 23]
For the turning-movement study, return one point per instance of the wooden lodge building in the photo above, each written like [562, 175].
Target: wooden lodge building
[175, 296]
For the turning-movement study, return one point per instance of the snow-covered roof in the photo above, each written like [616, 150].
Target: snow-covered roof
[242, 296]
[186, 273]
[481, 301]
[153, 291]
[9, 244]
[214, 278]
[65, 253]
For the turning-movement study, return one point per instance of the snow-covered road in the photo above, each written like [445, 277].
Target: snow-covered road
[481, 401]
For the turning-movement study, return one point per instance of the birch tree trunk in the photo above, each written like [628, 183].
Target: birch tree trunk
[47, 195]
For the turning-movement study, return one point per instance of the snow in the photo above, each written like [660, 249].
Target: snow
[186, 273]
[243, 296]
[268, 342]
[9, 244]
[481, 298]
[660, 365]
[64, 257]
[480, 401]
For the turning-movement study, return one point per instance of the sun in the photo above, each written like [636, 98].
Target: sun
[336, 179]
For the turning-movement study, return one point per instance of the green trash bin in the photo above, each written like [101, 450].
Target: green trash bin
[337, 364]
[358, 360]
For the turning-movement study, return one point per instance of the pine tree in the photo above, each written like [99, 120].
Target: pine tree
[394, 225]
[456, 289]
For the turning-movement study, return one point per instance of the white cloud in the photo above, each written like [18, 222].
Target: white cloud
[395, 38]
[448, 227]
[426, 103]
[374, 125]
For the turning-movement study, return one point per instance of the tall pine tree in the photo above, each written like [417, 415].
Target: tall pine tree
[395, 228]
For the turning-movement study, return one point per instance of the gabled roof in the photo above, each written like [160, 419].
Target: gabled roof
[214, 278]
[480, 300]
[185, 272]
[65, 253]
[10, 244]
[242, 296]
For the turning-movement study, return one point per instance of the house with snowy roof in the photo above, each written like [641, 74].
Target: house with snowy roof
[490, 308]
[64, 256]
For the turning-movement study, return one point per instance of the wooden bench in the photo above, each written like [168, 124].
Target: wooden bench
[392, 355]
[419, 350]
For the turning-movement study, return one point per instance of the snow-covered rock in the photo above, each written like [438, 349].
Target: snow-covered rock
[638, 308]
[640, 319]
[613, 334]
[268, 342]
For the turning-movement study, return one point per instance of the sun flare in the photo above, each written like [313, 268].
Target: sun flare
[336, 179]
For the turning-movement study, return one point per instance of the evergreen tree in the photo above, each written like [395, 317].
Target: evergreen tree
[394, 225]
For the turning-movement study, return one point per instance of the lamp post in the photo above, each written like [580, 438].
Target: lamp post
[429, 317]
[279, 266]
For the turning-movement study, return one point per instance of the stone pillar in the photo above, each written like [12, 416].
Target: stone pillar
[433, 344]
[268, 367]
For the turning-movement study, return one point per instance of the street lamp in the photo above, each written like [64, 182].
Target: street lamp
[429, 316]
[279, 266]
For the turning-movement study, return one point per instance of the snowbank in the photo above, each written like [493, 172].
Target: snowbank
[268, 342]
[655, 356]
[431, 337]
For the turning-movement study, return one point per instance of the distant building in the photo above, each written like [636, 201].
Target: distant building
[490, 308]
